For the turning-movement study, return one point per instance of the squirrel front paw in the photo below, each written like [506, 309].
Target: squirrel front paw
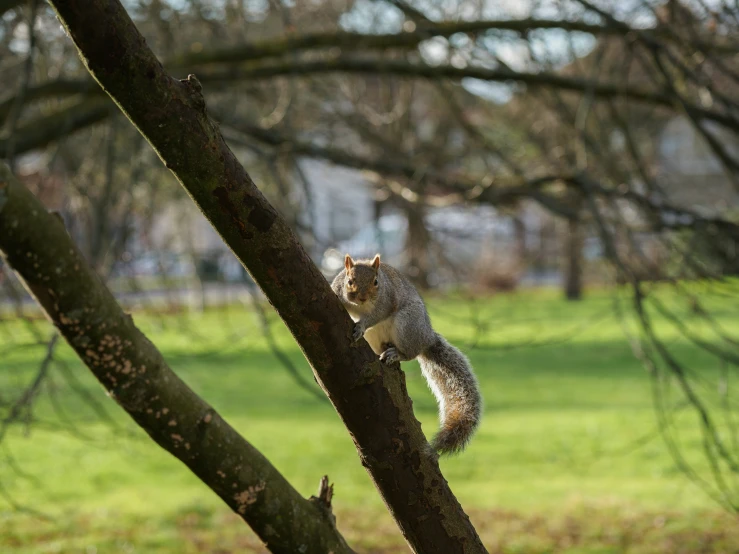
[390, 356]
[358, 332]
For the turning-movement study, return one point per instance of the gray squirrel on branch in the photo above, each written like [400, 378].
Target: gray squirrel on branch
[390, 314]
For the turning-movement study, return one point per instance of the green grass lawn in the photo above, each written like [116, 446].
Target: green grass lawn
[568, 458]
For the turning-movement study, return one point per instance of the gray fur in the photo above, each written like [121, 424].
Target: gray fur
[450, 377]
[397, 326]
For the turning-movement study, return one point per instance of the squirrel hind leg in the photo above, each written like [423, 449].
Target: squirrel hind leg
[391, 356]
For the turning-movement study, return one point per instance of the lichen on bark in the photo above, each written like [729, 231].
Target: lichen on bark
[131, 369]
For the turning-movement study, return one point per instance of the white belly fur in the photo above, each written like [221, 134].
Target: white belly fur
[380, 333]
[375, 336]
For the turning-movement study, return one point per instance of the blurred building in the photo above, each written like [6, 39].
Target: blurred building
[694, 174]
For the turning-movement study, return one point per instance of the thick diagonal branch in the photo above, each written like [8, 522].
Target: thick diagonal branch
[36, 245]
[371, 400]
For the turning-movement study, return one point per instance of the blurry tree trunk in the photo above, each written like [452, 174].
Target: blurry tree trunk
[573, 260]
[417, 244]
[102, 205]
[377, 208]
[198, 301]
[542, 255]
[35, 244]
[519, 231]
[371, 399]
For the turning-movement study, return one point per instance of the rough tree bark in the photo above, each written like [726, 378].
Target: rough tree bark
[371, 400]
[36, 245]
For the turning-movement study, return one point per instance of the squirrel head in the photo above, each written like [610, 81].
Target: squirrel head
[361, 281]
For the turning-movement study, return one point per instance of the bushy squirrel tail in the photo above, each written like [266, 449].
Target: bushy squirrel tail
[451, 379]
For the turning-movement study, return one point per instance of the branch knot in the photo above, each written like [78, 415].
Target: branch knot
[195, 90]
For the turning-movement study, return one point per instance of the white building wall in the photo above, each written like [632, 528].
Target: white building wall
[342, 200]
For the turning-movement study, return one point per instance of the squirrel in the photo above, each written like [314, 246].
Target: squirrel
[390, 314]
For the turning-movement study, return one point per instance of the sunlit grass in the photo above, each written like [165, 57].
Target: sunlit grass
[569, 432]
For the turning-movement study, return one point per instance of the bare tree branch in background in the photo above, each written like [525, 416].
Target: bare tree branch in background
[16, 106]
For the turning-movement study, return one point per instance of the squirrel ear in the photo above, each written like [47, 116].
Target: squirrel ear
[376, 262]
[348, 262]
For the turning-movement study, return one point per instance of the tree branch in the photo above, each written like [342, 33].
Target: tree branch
[36, 245]
[371, 400]
[497, 191]
[45, 130]
[353, 42]
[403, 68]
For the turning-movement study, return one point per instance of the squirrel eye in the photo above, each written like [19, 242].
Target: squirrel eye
[350, 282]
[375, 282]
